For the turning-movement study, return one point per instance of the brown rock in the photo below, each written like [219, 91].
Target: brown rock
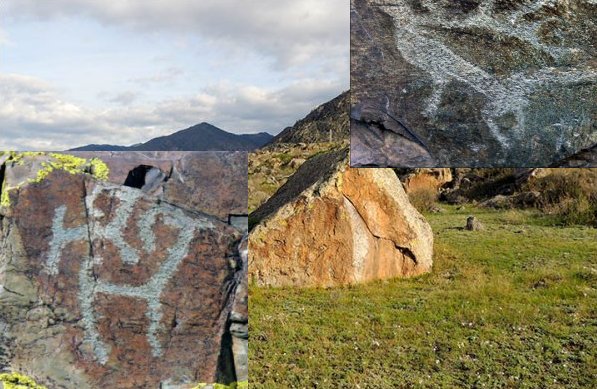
[422, 179]
[103, 286]
[332, 225]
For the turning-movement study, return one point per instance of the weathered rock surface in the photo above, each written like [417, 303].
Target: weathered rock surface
[270, 167]
[477, 83]
[332, 225]
[102, 285]
[212, 182]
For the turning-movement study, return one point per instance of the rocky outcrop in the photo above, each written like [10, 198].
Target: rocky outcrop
[326, 123]
[332, 225]
[424, 179]
[103, 285]
[477, 83]
[212, 182]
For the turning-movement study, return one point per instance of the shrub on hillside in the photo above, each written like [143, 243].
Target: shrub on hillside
[423, 198]
[568, 194]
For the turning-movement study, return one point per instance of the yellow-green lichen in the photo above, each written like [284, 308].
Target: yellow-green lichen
[99, 169]
[18, 381]
[234, 385]
[65, 162]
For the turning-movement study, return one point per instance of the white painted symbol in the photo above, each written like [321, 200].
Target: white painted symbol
[113, 231]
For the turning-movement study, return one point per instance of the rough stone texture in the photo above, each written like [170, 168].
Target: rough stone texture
[332, 225]
[477, 83]
[212, 182]
[104, 286]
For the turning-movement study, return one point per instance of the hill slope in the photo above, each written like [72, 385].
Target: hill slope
[326, 123]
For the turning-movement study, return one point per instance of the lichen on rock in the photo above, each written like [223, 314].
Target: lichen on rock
[41, 164]
[18, 381]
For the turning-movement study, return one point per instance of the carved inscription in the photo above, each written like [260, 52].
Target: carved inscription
[114, 231]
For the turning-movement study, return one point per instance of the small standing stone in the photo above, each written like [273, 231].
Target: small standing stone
[473, 224]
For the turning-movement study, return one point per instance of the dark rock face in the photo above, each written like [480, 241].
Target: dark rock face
[213, 182]
[479, 83]
[326, 123]
[584, 158]
[103, 285]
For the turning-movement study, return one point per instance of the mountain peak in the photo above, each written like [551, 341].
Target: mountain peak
[200, 137]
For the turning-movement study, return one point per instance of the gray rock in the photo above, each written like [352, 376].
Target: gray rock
[473, 224]
[478, 83]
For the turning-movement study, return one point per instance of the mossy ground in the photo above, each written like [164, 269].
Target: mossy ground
[512, 306]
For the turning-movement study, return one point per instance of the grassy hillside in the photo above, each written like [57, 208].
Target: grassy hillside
[514, 305]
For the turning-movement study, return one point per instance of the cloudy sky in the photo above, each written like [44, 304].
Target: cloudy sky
[74, 72]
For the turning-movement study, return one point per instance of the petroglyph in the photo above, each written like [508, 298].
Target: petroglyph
[486, 83]
[114, 231]
[503, 95]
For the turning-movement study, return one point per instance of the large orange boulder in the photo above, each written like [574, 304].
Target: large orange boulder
[333, 225]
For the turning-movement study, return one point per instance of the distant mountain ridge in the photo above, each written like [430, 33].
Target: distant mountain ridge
[201, 137]
[326, 123]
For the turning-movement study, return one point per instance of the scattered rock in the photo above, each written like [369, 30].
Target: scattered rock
[295, 163]
[436, 209]
[332, 225]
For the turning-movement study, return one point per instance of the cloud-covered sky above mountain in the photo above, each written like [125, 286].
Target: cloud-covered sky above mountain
[74, 72]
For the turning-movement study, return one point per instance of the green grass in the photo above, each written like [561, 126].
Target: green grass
[512, 306]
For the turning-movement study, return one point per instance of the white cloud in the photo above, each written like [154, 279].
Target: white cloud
[125, 98]
[166, 75]
[34, 116]
[291, 33]
[4, 39]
